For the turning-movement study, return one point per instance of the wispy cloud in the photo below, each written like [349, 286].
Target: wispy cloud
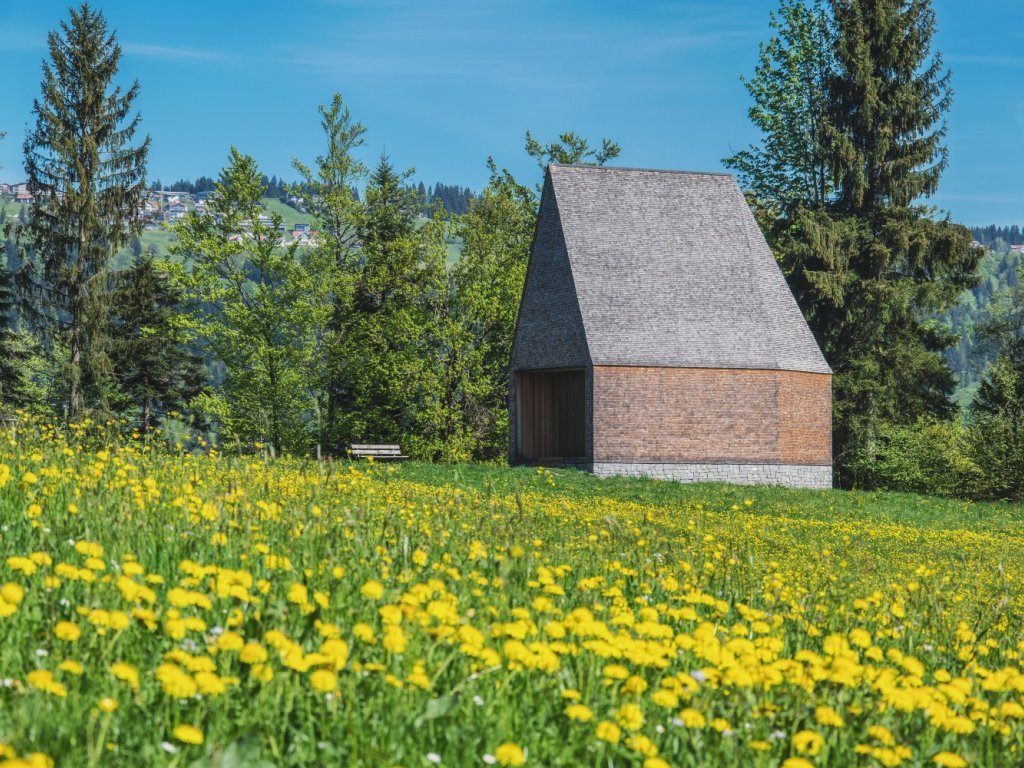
[1013, 62]
[699, 40]
[172, 53]
[997, 199]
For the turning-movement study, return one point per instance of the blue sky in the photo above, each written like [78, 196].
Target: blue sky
[442, 85]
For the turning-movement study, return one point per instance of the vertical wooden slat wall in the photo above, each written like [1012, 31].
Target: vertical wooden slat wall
[552, 414]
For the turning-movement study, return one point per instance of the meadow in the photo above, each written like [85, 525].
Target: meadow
[168, 608]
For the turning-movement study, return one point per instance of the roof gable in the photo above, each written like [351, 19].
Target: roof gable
[549, 328]
[671, 270]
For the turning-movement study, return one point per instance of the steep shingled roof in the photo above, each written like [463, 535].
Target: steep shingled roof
[671, 270]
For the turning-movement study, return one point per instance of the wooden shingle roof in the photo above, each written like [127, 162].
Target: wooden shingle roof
[671, 270]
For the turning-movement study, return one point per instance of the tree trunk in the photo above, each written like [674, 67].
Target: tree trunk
[76, 370]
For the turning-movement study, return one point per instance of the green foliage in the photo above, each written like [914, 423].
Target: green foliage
[571, 149]
[254, 307]
[156, 372]
[88, 180]
[930, 456]
[487, 284]
[997, 415]
[336, 212]
[789, 91]
[997, 412]
[869, 265]
[13, 355]
[392, 337]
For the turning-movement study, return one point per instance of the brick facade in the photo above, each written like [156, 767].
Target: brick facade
[710, 416]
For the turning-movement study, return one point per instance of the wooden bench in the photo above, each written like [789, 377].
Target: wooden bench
[376, 452]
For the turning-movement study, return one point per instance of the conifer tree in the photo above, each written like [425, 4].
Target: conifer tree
[391, 382]
[88, 180]
[156, 371]
[869, 263]
[329, 190]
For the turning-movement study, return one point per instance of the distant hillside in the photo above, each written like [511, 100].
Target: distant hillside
[999, 271]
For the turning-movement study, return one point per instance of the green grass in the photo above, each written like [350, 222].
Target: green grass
[930, 512]
[290, 215]
[10, 207]
[454, 244]
[165, 609]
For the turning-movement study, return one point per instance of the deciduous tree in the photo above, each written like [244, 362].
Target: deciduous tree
[252, 301]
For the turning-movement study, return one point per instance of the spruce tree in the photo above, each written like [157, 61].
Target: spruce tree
[88, 179]
[888, 97]
[390, 344]
[331, 198]
[870, 264]
[156, 371]
[12, 351]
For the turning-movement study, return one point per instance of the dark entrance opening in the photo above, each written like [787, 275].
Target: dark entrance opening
[552, 415]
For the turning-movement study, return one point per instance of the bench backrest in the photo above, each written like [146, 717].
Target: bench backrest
[362, 449]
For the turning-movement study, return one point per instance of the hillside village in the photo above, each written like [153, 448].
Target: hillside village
[163, 207]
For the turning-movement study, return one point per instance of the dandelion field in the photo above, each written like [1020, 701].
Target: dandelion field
[170, 609]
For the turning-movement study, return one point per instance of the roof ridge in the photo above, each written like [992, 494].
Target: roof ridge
[584, 167]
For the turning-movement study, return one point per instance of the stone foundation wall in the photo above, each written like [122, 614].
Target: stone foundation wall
[789, 475]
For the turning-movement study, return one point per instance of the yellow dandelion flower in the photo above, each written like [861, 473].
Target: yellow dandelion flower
[579, 712]
[829, 717]
[608, 732]
[107, 704]
[692, 718]
[510, 754]
[630, 717]
[808, 742]
[372, 590]
[324, 680]
[253, 653]
[126, 673]
[188, 734]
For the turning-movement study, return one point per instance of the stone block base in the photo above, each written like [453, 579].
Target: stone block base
[789, 475]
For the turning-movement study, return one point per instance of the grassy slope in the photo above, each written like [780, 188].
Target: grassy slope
[10, 206]
[289, 214]
[928, 512]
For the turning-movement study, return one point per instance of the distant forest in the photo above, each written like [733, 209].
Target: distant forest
[998, 269]
[454, 198]
[991, 236]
